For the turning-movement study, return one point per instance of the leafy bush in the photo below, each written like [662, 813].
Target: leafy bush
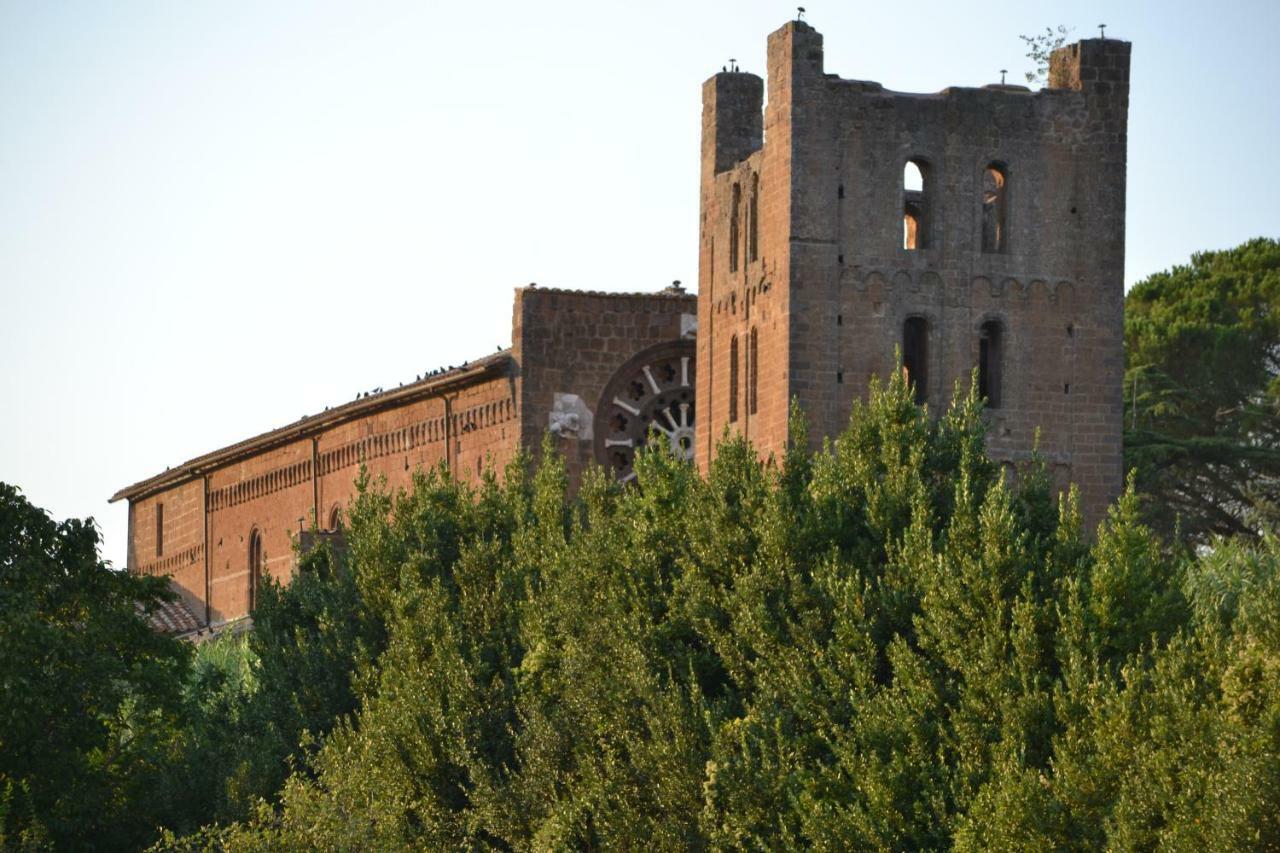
[882, 645]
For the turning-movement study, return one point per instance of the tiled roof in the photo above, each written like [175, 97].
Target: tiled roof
[172, 617]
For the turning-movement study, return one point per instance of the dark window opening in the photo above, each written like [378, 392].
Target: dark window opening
[839, 319]
[994, 204]
[753, 220]
[159, 530]
[915, 356]
[753, 371]
[735, 216]
[990, 363]
[733, 379]
[335, 519]
[255, 567]
[839, 377]
[915, 206]
[840, 191]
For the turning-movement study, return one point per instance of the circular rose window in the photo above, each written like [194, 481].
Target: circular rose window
[649, 399]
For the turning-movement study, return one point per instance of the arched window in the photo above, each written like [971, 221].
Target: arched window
[753, 220]
[255, 566]
[990, 362]
[733, 379]
[335, 518]
[735, 224]
[995, 190]
[915, 356]
[753, 370]
[915, 205]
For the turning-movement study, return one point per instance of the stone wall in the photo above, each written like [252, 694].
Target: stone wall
[831, 285]
[570, 344]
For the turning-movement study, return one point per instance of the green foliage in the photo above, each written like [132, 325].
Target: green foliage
[1202, 393]
[881, 645]
[1040, 47]
[87, 689]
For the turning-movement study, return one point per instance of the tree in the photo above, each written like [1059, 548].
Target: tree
[1040, 47]
[882, 645]
[1202, 392]
[88, 691]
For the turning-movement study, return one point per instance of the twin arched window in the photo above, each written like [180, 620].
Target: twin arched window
[915, 359]
[916, 206]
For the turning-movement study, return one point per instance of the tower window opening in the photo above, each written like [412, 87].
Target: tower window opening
[753, 371]
[915, 356]
[735, 217]
[994, 209]
[753, 220]
[911, 227]
[914, 205]
[990, 363]
[733, 379]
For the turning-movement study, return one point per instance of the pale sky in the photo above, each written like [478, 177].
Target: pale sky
[216, 217]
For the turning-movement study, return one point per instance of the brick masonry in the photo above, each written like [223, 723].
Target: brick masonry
[802, 246]
[195, 522]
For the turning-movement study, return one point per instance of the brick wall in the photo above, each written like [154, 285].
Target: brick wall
[565, 343]
[181, 542]
[277, 483]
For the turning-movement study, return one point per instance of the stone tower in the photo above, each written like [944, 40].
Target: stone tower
[972, 228]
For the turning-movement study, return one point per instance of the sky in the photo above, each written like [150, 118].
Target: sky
[216, 217]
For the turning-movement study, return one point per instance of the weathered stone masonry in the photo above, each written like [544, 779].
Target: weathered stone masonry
[818, 263]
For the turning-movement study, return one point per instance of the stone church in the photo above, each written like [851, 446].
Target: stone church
[844, 227]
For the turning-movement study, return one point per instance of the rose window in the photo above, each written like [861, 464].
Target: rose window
[649, 399]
